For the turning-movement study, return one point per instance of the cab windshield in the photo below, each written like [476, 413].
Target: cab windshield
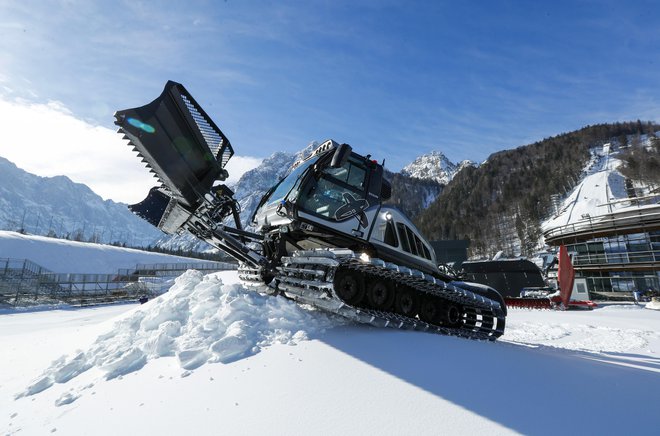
[287, 183]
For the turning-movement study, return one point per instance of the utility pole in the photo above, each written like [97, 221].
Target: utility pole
[22, 229]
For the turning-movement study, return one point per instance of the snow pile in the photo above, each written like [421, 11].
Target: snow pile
[654, 304]
[200, 320]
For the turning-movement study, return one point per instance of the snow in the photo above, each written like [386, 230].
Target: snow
[57, 205]
[601, 183]
[434, 166]
[63, 256]
[200, 320]
[210, 357]
[601, 191]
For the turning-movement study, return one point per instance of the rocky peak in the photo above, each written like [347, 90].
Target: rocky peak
[434, 166]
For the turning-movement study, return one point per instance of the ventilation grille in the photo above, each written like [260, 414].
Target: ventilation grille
[215, 140]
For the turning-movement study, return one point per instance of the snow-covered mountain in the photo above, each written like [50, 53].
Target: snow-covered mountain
[58, 206]
[434, 166]
[420, 183]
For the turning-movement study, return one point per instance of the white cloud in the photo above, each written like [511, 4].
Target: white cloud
[238, 165]
[48, 140]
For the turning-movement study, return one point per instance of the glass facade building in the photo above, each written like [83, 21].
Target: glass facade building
[615, 253]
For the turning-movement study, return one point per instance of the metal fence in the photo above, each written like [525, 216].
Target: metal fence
[626, 221]
[170, 269]
[18, 277]
[622, 257]
[23, 283]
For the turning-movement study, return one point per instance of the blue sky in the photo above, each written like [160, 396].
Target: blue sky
[392, 78]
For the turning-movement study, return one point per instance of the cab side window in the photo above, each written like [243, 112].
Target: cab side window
[410, 242]
[401, 228]
[390, 234]
[351, 174]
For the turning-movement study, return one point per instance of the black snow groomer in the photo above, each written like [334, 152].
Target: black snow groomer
[320, 236]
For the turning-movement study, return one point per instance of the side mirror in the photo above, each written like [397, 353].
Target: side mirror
[341, 155]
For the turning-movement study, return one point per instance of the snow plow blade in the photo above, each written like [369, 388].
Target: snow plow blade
[179, 143]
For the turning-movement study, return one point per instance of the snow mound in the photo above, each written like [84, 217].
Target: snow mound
[654, 304]
[200, 320]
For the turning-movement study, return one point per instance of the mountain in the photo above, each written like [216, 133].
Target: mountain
[412, 194]
[419, 183]
[57, 206]
[434, 166]
[501, 204]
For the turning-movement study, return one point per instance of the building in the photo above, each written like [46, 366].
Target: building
[509, 276]
[615, 253]
[452, 252]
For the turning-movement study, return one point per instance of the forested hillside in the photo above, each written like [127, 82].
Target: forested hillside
[642, 163]
[410, 194]
[500, 204]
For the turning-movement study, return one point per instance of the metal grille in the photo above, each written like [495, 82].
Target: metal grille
[24, 283]
[213, 138]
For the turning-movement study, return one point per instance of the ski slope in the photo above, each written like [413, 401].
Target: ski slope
[210, 357]
[64, 256]
[601, 191]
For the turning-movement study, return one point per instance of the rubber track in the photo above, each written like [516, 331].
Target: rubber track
[308, 277]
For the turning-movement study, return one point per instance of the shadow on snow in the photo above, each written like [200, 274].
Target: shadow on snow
[541, 390]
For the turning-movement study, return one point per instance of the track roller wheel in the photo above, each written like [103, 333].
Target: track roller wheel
[429, 310]
[380, 294]
[349, 286]
[406, 302]
[451, 315]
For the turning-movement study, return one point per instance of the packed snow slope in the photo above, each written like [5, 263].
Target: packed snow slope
[210, 357]
[601, 191]
[63, 256]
